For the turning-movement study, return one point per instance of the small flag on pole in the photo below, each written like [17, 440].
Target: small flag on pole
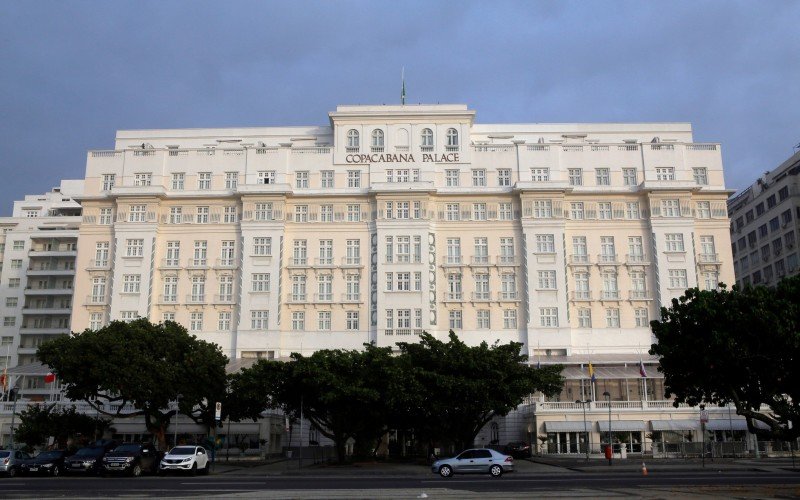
[4, 379]
[50, 378]
[591, 372]
[642, 371]
[403, 89]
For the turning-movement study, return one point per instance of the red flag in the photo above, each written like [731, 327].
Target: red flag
[50, 378]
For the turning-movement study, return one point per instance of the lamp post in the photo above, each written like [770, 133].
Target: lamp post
[607, 395]
[703, 418]
[585, 430]
[177, 412]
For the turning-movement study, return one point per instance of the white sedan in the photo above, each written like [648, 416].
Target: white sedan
[186, 458]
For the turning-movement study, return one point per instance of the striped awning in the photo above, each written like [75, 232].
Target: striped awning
[567, 426]
[621, 425]
[675, 425]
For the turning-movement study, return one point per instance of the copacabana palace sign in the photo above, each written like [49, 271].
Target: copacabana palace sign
[401, 158]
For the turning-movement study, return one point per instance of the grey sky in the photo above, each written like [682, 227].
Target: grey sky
[72, 73]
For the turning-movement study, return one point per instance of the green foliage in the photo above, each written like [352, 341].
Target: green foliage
[39, 422]
[738, 346]
[143, 364]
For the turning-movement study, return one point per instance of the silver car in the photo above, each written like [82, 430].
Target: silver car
[11, 460]
[475, 461]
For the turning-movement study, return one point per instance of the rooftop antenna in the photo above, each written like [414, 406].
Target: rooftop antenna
[403, 88]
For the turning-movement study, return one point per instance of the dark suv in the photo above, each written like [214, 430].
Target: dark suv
[88, 460]
[131, 459]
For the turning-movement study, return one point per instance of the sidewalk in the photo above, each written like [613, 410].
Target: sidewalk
[634, 464]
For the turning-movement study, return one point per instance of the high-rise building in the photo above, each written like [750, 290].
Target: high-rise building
[764, 226]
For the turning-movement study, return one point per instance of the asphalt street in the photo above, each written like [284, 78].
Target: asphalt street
[571, 484]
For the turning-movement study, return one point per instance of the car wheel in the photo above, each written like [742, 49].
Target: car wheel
[445, 471]
[207, 469]
[12, 472]
[136, 471]
[55, 472]
[496, 470]
[193, 470]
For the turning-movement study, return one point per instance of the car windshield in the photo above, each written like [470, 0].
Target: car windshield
[89, 452]
[182, 450]
[4, 454]
[48, 455]
[127, 448]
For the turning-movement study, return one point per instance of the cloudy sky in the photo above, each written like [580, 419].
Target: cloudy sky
[72, 73]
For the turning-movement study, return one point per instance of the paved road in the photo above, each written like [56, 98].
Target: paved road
[572, 484]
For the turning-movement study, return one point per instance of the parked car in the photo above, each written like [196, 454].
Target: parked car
[49, 463]
[475, 461]
[518, 449]
[131, 459]
[11, 460]
[189, 459]
[88, 460]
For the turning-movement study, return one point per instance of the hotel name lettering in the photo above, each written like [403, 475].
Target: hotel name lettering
[402, 158]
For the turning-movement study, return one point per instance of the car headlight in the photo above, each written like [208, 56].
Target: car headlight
[88, 462]
[47, 465]
[129, 459]
[186, 460]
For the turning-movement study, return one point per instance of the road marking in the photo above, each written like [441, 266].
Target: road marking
[234, 483]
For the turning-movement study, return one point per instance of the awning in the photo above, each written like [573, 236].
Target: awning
[567, 426]
[631, 371]
[675, 425]
[723, 424]
[621, 425]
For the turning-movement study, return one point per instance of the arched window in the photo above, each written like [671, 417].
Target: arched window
[377, 138]
[452, 138]
[494, 433]
[352, 138]
[427, 137]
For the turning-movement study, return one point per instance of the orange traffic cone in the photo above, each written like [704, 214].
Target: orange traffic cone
[644, 469]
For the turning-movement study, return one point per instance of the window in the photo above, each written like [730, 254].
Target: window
[137, 213]
[353, 142]
[131, 283]
[509, 318]
[9, 320]
[198, 289]
[711, 279]
[548, 316]
[547, 280]
[700, 176]
[584, 318]
[266, 177]
[482, 319]
[178, 181]
[505, 211]
[774, 225]
[640, 314]
[129, 316]
[353, 213]
[612, 318]
[481, 286]
[324, 320]
[259, 320]
[202, 215]
[665, 174]
[301, 213]
[200, 253]
[96, 321]
[783, 193]
[575, 176]
[170, 289]
[301, 180]
[610, 287]
[377, 139]
[230, 215]
[327, 178]
[508, 286]
[677, 279]
[142, 179]
[389, 282]
[452, 139]
[353, 256]
[417, 281]
[545, 243]
[703, 210]
[426, 140]
[231, 180]
[12, 301]
[108, 181]
[300, 256]
[204, 180]
[16, 263]
[579, 250]
[540, 174]
[481, 251]
[604, 210]
[507, 250]
[175, 215]
[13, 283]
[670, 208]
[326, 213]
[325, 252]
[263, 211]
[608, 252]
[635, 248]
[134, 247]
[402, 210]
[455, 320]
[786, 217]
[708, 251]
[453, 250]
[454, 286]
[262, 246]
[542, 209]
[451, 178]
[196, 321]
[353, 178]
[749, 216]
[403, 249]
[576, 210]
[503, 177]
[351, 320]
[98, 290]
[105, 216]
[629, 176]
[260, 282]
[18, 245]
[452, 212]
[674, 242]
[298, 288]
[479, 211]
[479, 177]
[632, 210]
[602, 176]
[224, 321]
[325, 287]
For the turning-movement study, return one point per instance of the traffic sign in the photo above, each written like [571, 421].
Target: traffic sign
[218, 411]
[704, 416]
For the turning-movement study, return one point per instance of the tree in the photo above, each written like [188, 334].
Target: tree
[39, 422]
[142, 364]
[739, 346]
[452, 390]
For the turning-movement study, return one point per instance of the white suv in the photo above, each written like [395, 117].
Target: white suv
[185, 458]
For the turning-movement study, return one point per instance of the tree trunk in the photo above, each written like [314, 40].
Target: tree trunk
[339, 443]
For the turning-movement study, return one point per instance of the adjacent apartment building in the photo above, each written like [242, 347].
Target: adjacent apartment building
[764, 226]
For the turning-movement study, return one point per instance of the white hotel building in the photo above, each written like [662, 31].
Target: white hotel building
[392, 220]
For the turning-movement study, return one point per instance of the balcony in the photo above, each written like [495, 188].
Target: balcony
[52, 253]
[708, 258]
[454, 297]
[636, 259]
[323, 262]
[452, 260]
[609, 295]
[480, 260]
[48, 291]
[607, 259]
[580, 295]
[43, 330]
[226, 264]
[98, 265]
[97, 300]
[196, 298]
[481, 296]
[50, 272]
[323, 297]
[640, 295]
[508, 296]
[170, 264]
[197, 264]
[579, 260]
[351, 261]
[296, 298]
[507, 260]
[42, 311]
[224, 299]
[167, 299]
[351, 298]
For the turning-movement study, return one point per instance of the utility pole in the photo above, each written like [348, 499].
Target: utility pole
[583, 403]
[610, 447]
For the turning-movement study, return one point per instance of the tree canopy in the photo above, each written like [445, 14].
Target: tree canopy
[40, 422]
[142, 364]
[739, 346]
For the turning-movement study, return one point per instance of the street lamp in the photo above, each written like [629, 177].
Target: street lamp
[703, 418]
[177, 412]
[607, 395]
[585, 431]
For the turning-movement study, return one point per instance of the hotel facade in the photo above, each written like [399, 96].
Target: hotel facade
[393, 220]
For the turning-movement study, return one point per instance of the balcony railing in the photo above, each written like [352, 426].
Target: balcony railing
[351, 261]
[579, 259]
[198, 263]
[607, 258]
[226, 263]
[508, 295]
[582, 295]
[634, 258]
[97, 300]
[170, 263]
[480, 259]
[323, 297]
[708, 258]
[507, 260]
[639, 295]
[196, 298]
[168, 299]
[351, 297]
[452, 260]
[226, 298]
[323, 261]
[481, 296]
[609, 295]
